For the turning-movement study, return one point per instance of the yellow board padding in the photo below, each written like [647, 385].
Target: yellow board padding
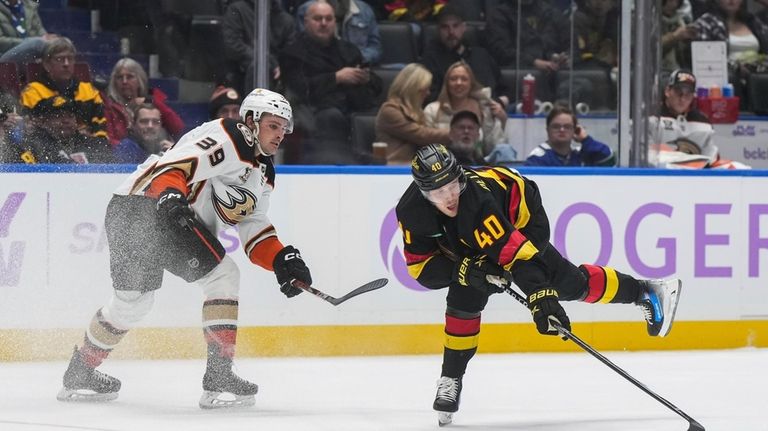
[363, 340]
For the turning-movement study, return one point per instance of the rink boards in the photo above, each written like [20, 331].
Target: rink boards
[709, 229]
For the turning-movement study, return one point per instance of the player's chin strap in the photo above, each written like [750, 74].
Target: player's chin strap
[506, 283]
[256, 141]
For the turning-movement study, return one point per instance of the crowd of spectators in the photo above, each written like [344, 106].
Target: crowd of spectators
[325, 56]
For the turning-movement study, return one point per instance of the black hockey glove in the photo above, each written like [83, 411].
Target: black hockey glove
[544, 305]
[173, 209]
[474, 271]
[290, 266]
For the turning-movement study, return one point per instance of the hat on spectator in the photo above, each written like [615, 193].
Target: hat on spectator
[450, 10]
[682, 78]
[464, 114]
[58, 105]
[223, 96]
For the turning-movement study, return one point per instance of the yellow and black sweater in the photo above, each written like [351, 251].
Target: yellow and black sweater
[39, 97]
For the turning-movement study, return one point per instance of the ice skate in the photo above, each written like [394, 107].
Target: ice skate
[223, 388]
[83, 383]
[659, 304]
[447, 399]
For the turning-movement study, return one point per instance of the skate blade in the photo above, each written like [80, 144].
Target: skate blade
[225, 400]
[444, 418]
[84, 396]
[669, 314]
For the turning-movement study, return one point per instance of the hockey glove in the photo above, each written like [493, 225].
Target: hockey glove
[173, 208]
[474, 271]
[544, 305]
[289, 266]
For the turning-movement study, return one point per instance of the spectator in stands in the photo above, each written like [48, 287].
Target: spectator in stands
[462, 92]
[675, 34]
[53, 137]
[225, 103]
[746, 36]
[239, 38]
[145, 137]
[451, 47]
[22, 35]
[401, 122]
[58, 83]
[10, 127]
[464, 136]
[414, 10]
[326, 80]
[358, 26]
[676, 139]
[569, 144]
[543, 44]
[128, 88]
[596, 26]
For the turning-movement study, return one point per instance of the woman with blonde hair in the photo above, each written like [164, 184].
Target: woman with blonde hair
[401, 122]
[128, 88]
[462, 92]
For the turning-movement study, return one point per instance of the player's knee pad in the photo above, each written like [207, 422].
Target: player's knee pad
[223, 281]
[127, 308]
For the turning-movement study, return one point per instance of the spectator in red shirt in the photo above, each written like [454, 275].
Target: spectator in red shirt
[129, 87]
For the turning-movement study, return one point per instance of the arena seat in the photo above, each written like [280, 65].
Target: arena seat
[757, 89]
[598, 93]
[363, 132]
[10, 79]
[387, 76]
[398, 43]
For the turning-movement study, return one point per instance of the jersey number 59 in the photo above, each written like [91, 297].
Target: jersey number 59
[217, 156]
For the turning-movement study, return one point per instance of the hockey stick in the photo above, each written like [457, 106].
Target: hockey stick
[367, 287]
[566, 334]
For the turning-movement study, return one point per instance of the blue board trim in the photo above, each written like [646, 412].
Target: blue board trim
[401, 170]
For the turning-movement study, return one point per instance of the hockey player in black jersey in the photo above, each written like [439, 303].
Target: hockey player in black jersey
[464, 228]
[166, 216]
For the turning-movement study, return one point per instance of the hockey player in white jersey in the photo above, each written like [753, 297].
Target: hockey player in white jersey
[165, 216]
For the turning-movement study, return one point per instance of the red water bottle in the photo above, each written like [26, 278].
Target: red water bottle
[529, 94]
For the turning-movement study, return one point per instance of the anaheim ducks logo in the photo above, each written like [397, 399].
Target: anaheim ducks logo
[236, 204]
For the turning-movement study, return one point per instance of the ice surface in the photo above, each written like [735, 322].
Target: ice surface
[724, 390]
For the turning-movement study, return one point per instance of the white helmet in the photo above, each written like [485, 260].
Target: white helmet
[260, 101]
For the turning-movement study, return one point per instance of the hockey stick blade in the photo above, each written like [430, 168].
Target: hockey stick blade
[367, 287]
[693, 425]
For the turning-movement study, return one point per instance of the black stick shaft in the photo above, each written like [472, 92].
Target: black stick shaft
[694, 425]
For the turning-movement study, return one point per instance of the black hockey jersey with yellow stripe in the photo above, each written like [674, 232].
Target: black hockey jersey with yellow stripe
[500, 215]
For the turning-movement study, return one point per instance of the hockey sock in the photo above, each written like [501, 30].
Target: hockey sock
[100, 338]
[461, 338]
[606, 285]
[220, 327]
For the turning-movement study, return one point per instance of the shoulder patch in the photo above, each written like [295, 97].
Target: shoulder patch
[242, 139]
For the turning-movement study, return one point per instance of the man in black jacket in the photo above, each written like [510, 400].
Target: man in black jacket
[326, 80]
[450, 46]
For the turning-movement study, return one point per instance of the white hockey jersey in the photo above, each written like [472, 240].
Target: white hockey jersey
[228, 181]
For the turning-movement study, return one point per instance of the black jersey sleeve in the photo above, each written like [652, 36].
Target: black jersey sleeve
[421, 241]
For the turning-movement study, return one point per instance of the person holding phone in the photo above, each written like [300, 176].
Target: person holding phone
[569, 144]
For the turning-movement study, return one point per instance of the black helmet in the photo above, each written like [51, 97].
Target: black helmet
[434, 166]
